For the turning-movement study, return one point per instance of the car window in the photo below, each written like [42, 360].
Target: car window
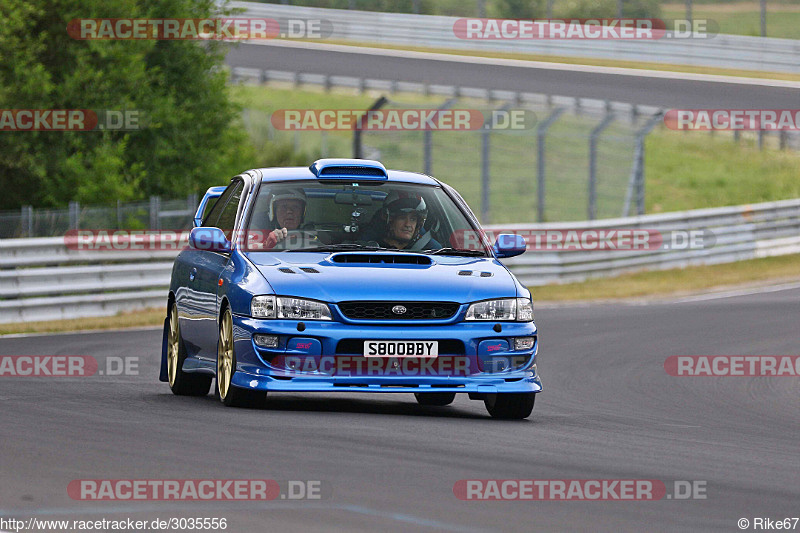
[223, 214]
[404, 216]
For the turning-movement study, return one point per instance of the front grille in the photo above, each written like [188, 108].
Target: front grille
[383, 310]
[356, 347]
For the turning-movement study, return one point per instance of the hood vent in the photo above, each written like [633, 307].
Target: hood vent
[309, 270]
[465, 272]
[396, 259]
[287, 270]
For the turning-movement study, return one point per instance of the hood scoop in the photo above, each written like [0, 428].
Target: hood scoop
[472, 273]
[393, 259]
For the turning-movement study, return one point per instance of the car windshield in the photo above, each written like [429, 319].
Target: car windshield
[309, 215]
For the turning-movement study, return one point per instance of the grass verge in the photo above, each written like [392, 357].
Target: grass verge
[145, 317]
[743, 18]
[684, 170]
[675, 281]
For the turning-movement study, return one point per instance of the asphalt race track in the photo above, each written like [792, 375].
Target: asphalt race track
[608, 411]
[656, 91]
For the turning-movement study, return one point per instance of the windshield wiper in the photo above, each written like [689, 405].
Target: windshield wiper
[339, 248]
[457, 251]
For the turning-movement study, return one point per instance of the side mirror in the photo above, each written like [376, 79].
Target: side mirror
[209, 239]
[509, 245]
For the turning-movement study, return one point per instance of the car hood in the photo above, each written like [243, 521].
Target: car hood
[343, 276]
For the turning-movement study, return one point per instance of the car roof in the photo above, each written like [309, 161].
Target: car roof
[304, 173]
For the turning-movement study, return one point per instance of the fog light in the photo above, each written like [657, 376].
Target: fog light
[266, 341]
[524, 343]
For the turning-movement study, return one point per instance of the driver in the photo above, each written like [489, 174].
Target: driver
[404, 215]
[287, 209]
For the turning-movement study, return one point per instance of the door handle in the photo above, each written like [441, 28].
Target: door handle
[193, 274]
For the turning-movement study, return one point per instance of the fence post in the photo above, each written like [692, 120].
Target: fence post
[357, 148]
[485, 147]
[646, 129]
[427, 141]
[155, 207]
[593, 137]
[541, 134]
[636, 180]
[760, 139]
[26, 222]
[784, 138]
[74, 215]
[323, 144]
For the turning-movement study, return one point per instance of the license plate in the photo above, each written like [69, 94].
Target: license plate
[401, 349]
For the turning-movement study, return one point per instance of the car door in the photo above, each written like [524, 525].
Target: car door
[199, 317]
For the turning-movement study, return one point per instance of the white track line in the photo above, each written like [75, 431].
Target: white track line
[477, 60]
[740, 292]
[78, 332]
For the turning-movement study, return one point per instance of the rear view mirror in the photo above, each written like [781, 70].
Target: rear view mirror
[352, 198]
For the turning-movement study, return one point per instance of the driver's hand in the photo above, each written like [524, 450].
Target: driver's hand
[280, 234]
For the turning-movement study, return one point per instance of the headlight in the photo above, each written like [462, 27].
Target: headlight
[290, 308]
[524, 310]
[262, 307]
[504, 309]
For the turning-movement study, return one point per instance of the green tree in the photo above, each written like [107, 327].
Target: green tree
[188, 140]
[518, 9]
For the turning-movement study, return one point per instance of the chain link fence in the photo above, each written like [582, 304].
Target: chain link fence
[153, 214]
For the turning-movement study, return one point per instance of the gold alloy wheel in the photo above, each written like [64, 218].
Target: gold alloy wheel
[225, 355]
[173, 345]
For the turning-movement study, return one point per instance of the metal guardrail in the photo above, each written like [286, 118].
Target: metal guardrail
[588, 106]
[41, 279]
[722, 51]
[739, 233]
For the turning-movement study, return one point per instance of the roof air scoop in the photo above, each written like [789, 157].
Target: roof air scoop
[349, 169]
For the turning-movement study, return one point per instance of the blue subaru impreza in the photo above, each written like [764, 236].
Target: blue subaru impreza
[344, 276]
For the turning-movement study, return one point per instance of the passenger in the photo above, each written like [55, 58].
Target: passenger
[404, 216]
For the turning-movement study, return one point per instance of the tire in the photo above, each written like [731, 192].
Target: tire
[228, 394]
[438, 399]
[510, 406]
[180, 382]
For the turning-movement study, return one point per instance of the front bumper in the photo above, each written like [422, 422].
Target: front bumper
[481, 360]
